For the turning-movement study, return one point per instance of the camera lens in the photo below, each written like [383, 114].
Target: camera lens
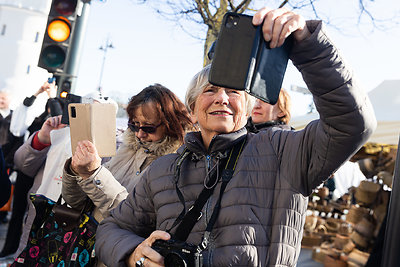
[174, 260]
[229, 22]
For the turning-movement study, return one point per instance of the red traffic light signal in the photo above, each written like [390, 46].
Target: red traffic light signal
[58, 35]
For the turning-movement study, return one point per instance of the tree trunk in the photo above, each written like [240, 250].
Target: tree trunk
[210, 38]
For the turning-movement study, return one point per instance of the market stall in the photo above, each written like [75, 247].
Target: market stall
[342, 231]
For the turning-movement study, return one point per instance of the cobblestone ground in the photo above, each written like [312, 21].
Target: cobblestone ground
[4, 262]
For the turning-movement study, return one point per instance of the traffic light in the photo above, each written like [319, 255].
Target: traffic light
[58, 35]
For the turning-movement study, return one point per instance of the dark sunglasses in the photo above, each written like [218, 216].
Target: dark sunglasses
[146, 129]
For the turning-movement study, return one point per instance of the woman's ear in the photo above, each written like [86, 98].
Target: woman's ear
[281, 115]
[193, 117]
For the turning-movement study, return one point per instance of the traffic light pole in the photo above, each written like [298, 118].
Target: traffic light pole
[67, 81]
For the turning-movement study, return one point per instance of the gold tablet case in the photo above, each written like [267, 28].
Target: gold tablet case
[94, 122]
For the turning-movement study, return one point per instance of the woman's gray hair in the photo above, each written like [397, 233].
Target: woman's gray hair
[197, 85]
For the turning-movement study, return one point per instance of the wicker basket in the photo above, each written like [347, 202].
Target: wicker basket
[386, 177]
[365, 227]
[358, 257]
[345, 229]
[367, 191]
[319, 254]
[333, 225]
[356, 214]
[353, 264]
[340, 241]
[348, 247]
[311, 240]
[379, 213]
[359, 240]
[330, 261]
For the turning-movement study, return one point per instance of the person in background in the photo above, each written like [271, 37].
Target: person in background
[157, 124]
[5, 116]
[5, 184]
[42, 158]
[8, 142]
[266, 115]
[263, 207]
[23, 181]
[30, 160]
[24, 123]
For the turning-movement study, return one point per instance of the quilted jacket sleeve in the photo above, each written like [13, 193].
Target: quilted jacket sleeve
[29, 160]
[346, 115]
[102, 188]
[115, 237]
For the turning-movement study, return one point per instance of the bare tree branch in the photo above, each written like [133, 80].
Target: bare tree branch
[208, 14]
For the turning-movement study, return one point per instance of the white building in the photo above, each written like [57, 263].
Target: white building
[22, 26]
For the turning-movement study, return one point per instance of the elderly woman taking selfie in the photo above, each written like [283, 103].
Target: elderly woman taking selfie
[158, 121]
[257, 183]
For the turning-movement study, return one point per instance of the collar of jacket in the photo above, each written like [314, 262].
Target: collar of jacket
[159, 148]
[219, 143]
[256, 127]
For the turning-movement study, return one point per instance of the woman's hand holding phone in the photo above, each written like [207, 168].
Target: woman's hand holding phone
[85, 160]
[279, 24]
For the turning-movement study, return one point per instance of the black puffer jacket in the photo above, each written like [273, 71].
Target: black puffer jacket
[263, 208]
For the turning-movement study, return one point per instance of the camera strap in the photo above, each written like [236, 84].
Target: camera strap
[194, 213]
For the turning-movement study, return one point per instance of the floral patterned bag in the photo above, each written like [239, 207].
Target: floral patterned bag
[60, 236]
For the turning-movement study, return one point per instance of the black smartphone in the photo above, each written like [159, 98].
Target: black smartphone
[242, 59]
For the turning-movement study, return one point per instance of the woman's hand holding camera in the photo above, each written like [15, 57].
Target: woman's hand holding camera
[279, 24]
[144, 255]
[85, 160]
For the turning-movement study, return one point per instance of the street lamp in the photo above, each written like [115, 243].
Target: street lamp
[104, 48]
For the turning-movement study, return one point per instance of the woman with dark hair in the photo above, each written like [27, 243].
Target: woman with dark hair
[158, 121]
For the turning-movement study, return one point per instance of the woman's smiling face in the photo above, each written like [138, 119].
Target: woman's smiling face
[219, 110]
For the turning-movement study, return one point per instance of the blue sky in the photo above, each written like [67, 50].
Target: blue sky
[149, 49]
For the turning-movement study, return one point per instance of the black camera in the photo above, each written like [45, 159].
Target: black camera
[70, 98]
[178, 253]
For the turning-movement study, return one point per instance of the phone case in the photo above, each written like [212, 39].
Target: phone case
[235, 52]
[94, 122]
[243, 60]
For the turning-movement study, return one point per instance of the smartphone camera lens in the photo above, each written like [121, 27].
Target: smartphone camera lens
[73, 112]
[231, 22]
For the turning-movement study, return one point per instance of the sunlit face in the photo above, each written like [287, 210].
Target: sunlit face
[147, 115]
[219, 110]
[4, 100]
[263, 112]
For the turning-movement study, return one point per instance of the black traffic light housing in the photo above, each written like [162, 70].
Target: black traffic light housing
[58, 35]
